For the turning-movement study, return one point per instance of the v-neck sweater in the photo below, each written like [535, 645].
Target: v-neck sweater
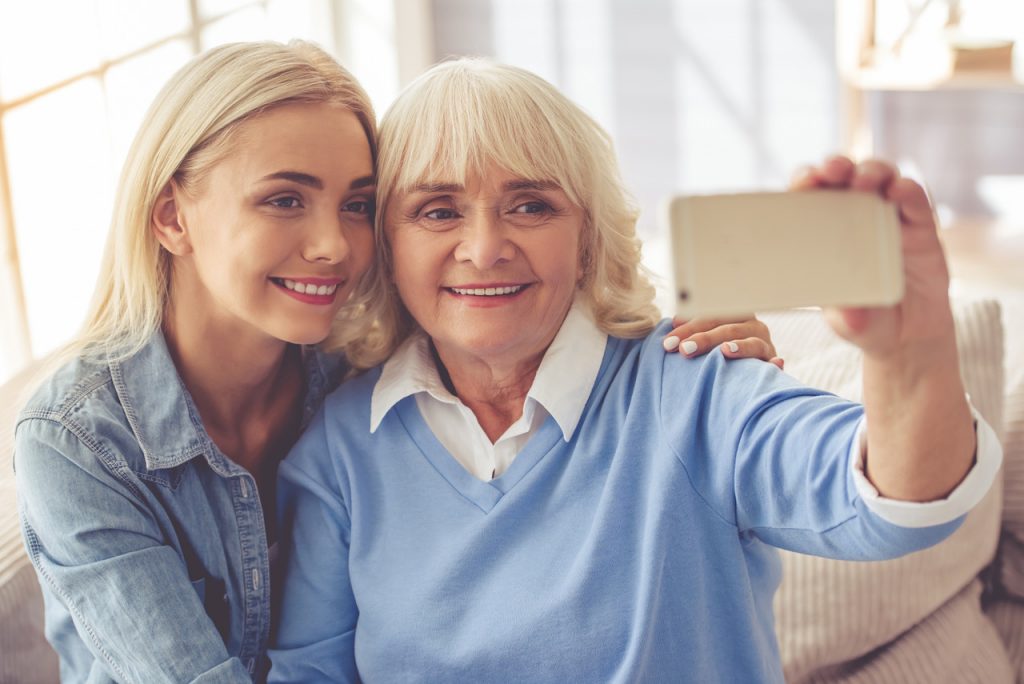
[638, 550]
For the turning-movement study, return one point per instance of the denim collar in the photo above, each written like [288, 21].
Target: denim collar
[165, 420]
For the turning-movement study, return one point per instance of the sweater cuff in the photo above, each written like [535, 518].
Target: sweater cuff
[988, 457]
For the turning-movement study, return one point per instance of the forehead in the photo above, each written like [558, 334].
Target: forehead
[304, 136]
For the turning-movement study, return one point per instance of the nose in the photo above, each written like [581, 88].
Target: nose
[484, 242]
[326, 240]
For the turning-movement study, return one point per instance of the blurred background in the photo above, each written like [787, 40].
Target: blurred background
[699, 96]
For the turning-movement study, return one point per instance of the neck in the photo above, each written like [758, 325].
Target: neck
[494, 392]
[229, 389]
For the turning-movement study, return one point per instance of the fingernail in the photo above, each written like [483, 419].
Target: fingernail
[733, 347]
[671, 343]
[689, 346]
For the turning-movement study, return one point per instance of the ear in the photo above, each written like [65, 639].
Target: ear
[168, 221]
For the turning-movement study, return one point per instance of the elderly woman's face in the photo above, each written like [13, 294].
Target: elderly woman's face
[488, 270]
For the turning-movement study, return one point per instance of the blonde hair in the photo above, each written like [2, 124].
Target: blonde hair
[462, 116]
[189, 128]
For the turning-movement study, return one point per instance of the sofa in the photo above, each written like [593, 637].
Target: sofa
[953, 613]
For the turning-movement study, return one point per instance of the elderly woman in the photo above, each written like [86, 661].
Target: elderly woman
[528, 490]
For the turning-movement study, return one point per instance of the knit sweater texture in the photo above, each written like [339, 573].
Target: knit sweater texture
[639, 550]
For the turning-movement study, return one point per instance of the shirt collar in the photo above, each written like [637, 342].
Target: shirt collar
[562, 385]
[162, 415]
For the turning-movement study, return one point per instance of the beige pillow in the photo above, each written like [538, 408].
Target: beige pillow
[1005, 606]
[913, 619]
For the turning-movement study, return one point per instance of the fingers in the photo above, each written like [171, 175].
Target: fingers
[912, 200]
[835, 172]
[873, 175]
[751, 348]
[838, 172]
[684, 329]
[870, 175]
[751, 337]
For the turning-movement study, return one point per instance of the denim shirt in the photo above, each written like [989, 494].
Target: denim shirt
[149, 543]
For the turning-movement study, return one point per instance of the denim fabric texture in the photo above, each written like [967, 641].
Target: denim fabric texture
[149, 543]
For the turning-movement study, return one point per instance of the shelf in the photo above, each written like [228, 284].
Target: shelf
[898, 78]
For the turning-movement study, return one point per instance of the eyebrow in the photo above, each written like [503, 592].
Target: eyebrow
[437, 187]
[314, 182]
[510, 186]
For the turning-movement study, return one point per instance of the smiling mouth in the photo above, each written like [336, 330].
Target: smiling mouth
[488, 291]
[306, 288]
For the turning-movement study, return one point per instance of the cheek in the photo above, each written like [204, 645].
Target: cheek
[561, 260]
[413, 259]
[406, 273]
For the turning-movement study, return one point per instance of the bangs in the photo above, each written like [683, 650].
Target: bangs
[492, 124]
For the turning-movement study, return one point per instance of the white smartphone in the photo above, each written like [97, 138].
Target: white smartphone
[743, 253]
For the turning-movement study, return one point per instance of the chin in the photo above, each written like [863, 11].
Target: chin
[304, 336]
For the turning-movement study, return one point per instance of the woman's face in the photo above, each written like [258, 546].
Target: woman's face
[488, 270]
[282, 228]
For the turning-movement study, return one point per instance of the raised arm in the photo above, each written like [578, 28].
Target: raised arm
[920, 436]
[99, 551]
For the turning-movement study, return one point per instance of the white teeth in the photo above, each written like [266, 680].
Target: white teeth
[310, 289]
[487, 291]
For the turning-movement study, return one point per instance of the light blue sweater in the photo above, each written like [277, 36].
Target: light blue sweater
[640, 550]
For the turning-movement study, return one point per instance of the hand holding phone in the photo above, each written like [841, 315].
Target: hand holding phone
[748, 252]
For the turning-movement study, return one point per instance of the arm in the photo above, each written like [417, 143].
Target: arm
[921, 439]
[99, 551]
[315, 632]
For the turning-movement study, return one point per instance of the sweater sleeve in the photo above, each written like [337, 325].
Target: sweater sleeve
[772, 457]
[315, 635]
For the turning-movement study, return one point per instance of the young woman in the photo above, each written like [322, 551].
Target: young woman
[146, 464]
[622, 527]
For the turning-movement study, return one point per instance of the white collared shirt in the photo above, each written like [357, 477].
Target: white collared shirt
[561, 389]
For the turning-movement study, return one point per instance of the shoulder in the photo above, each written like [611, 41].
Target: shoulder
[643, 361]
[343, 419]
[67, 388]
[643, 370]
[76, 414]
[350, 401]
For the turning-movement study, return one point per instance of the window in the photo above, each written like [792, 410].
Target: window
[75, 81]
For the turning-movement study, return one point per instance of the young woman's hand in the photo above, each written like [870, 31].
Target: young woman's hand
[740, 338]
